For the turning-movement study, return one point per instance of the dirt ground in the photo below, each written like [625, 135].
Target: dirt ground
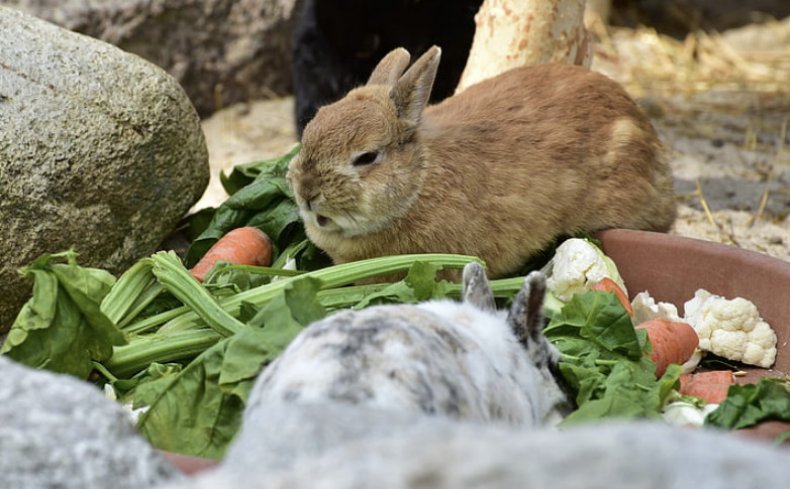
[721, 104]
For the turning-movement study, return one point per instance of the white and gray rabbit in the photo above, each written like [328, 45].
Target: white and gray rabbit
[460, 360]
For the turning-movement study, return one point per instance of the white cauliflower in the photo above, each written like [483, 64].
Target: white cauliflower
[731, 328]
[645, 308]
[577, 264]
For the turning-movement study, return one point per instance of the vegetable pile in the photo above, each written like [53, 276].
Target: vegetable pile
[180, 342]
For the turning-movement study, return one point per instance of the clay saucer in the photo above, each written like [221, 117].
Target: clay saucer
[672, 268]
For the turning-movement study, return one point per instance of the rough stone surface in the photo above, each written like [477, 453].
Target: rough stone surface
[59, 432]
[634, 455]
[220, 51]
[99, 151]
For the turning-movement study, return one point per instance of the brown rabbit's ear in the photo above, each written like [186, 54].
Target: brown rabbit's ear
[411, 92]
[390, 68]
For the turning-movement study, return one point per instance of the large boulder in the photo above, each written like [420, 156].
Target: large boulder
[57, 431]
[220, 51]
[100, 151]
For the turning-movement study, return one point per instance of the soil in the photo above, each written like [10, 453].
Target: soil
[726, 131]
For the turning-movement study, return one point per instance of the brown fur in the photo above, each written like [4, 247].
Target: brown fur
[498, 171]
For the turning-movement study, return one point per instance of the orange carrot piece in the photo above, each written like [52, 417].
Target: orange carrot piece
[672, 341]
[711, 386]
[241, 246]
[609, 285]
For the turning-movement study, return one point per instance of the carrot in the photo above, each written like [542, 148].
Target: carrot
[241, 246]
[711, 386]
[609, 285]
[672, 342]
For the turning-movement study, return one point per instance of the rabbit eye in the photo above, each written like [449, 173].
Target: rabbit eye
[366, 158]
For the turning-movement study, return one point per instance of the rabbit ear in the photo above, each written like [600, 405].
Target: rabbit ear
[476, 290]
[526, 313]
[413, 89]
[390, 68]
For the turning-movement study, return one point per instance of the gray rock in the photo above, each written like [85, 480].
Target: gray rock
[637, 455]
[59, 432]
[220, 51]
[99, 151]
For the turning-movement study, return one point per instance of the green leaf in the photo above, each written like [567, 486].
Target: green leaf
[148, 385]
[61, 328]
[243, 175]
[599, 318]
[422, 280]
[419, 285]
[781, 437]
[749, 404]
[194, 415]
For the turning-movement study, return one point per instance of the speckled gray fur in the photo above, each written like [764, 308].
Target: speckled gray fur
[442, 358]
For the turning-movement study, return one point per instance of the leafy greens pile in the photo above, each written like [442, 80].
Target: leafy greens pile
[185, 354]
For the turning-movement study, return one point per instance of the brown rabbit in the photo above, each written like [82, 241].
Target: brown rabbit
[497, 171]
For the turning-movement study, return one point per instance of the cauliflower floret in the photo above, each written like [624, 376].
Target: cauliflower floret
[645, 308]
[731, 328]
[577, 264]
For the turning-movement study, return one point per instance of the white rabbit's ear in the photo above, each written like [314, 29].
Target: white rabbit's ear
[476, 290]
[412, 90]
[390, 68]
[526, 313]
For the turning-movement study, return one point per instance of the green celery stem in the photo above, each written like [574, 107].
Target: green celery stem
[144, 350]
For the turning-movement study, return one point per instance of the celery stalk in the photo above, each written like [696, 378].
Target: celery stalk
[345, 274]
[182, 318]
[144, 350]
[170, 272]
[121, 299]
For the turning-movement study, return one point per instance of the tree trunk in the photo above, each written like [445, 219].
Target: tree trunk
[512, 33]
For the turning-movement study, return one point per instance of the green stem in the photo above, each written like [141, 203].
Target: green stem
[144, 350]
[504, 288]
[252, 269]
[566, 357]
[141, 303]
[182, 318]
[106, 373]
[176, 279]
[152, 322]
[123, 296]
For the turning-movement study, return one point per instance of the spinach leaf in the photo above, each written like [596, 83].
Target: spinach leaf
[599, 320]
[749, 404]
[420, 284]
[62, 328]
[145, 387]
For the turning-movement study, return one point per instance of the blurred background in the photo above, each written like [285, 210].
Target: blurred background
[714, 76]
